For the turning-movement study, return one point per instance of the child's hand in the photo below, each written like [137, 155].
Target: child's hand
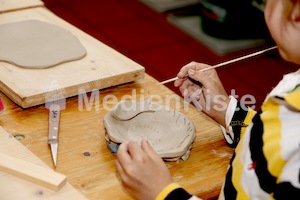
[143, 173]
[205, 88]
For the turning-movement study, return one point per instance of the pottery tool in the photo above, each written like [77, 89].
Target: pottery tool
[31, 172]
[55, 103]
[224, 63]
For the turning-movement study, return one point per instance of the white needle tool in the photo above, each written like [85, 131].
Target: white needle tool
[224, 63]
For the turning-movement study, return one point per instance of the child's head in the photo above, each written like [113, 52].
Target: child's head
[283, 20]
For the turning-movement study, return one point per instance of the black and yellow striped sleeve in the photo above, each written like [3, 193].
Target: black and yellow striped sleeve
[173, 191]
[237, 122]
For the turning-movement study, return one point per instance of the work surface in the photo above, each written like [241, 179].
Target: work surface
[84, 157]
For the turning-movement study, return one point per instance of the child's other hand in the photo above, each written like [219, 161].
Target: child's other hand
[143, 173]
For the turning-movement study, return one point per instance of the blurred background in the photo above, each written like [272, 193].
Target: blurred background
[164, 35]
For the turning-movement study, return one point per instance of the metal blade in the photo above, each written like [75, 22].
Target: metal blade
[54, 148]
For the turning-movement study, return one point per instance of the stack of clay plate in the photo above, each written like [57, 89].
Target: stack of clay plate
[170, 132]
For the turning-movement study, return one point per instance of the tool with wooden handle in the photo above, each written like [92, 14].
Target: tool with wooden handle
[55, 102]
[54, 118]
[224, 63]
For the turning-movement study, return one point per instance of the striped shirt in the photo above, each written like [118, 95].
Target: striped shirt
[266, 162]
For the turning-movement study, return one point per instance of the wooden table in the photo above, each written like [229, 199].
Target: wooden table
[83, 155]
[85, 159]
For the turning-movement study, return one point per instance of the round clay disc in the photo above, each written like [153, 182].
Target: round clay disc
[36, 44]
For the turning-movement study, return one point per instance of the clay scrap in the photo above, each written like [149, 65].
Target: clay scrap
[170, 132]
[36, 44]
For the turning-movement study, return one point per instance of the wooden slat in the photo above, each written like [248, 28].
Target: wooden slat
[102, 67]
[15, 188]
[31, 172]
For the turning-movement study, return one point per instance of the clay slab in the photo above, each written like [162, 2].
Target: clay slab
[36, 44]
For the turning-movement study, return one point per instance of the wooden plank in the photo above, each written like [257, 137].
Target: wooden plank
[12, 5]
[102, 67]
[31, 172]
[15, 188]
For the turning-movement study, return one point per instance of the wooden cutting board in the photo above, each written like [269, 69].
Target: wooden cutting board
[102, 67]
[14, 188]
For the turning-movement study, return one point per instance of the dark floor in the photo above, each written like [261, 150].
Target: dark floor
[146, 37]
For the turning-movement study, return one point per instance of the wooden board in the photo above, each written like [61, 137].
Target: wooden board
[14, 188]
[11, 5]
[31, 172]
[102, 67]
